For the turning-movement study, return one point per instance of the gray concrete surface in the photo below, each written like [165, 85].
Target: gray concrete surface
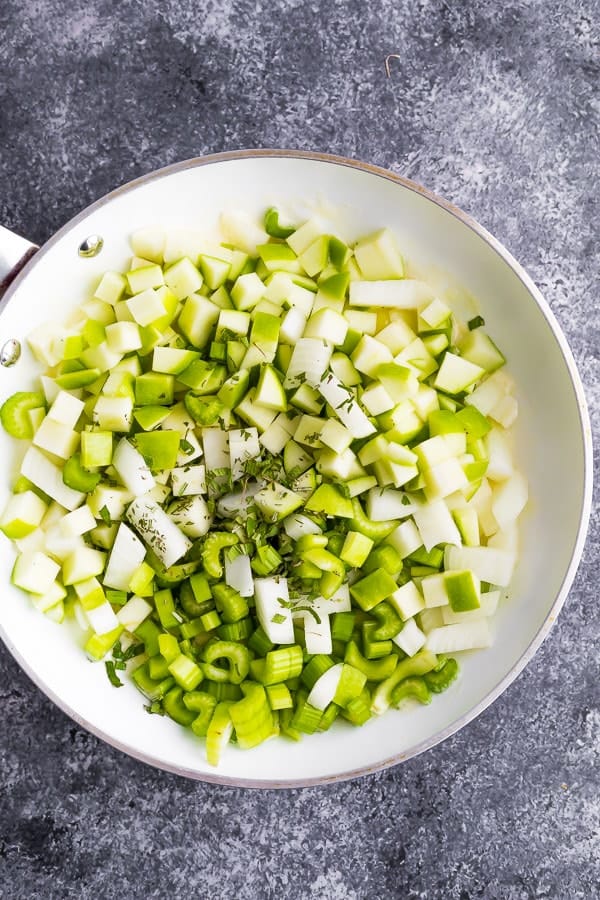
[495, 106]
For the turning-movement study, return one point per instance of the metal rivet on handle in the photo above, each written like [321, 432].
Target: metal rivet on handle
[91, 246]
[10, 353]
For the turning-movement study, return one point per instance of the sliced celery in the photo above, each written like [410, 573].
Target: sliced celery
[77, 477]
[14, 413]
[235, 654]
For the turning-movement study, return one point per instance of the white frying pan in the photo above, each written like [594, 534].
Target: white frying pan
[554, 444]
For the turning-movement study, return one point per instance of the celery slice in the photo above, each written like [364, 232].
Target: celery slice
[14, 413]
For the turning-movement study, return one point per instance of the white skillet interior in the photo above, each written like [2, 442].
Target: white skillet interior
[553, 443]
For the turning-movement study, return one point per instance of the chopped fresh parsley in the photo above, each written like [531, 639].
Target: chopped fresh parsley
[309, 609]
[186, 446]
[105, 515]
[112, 675]
[475, 322]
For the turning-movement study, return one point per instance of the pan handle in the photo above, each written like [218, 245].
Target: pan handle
[15, 251]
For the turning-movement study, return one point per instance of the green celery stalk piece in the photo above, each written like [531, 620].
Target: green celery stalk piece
[159, 448]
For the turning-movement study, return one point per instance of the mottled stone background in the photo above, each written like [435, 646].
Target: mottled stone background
[497, 107]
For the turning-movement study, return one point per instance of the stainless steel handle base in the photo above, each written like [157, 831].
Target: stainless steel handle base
[15, 251]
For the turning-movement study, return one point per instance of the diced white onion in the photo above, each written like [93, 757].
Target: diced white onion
[317, 635]
[509, 500]
[436, 525]
[410, 639]
[231, 505]
[454, 638]
[158, 530]
[102, 618]
[135, 611]
[48, 478]
[346, 407]
[132, 469]
[309, 361]
[488, 563]
[387, 503]
[297, 525]
[404, 293]
[275, 617]
[126, 556]
[325, 687]
[243, 445]
[238, 575]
